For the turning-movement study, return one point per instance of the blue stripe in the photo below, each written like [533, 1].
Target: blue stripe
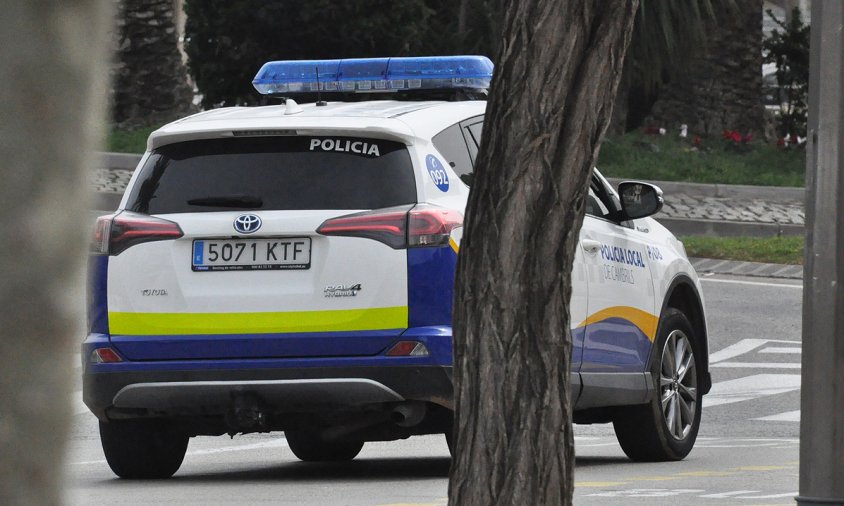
[278, 345]
[430, 285]
[97, 294]
[436, 339]
[615, 345]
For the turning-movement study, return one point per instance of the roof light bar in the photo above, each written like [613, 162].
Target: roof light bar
[373, 75]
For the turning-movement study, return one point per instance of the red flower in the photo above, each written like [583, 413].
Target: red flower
[698, 141]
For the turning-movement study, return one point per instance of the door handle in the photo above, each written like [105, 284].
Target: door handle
[590, 246]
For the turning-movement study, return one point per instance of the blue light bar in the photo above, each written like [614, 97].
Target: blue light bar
[374, 75]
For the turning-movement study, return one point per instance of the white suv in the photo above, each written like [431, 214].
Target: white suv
[291, 268]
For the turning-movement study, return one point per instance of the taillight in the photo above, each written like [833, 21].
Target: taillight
[431, 226]
[398, 227]
[114, 233]
[384, 225]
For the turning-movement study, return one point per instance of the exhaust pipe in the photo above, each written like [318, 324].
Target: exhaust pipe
[408, 413]
[247, 414]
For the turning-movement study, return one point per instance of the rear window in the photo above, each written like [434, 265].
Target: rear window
[274, 173]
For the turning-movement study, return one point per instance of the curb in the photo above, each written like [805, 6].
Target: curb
[716, 228]
[774, 193]
[121, 161]
[705, 266]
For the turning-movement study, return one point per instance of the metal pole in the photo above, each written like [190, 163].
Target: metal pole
[822, 397]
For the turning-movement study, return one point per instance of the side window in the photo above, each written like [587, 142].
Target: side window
[452, 146]
[594, 206]
[472, 131]
[602, 203]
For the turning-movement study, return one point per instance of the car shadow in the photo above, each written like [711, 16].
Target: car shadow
[361, 470]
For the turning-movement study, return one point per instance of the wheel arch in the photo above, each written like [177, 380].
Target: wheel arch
[683, 295]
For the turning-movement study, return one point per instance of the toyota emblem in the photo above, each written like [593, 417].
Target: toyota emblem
[247, 223]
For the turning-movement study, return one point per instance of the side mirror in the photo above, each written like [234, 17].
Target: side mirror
[639, 199]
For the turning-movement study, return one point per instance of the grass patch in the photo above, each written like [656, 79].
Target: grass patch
[128, 141]
[669, 158]
[773, 250]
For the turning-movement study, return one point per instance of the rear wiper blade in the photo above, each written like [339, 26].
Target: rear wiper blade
[241, 201]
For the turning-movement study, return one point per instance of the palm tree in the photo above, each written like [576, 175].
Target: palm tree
[149, 77]
[720, 88]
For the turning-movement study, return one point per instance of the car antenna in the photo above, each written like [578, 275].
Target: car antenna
[319, 102]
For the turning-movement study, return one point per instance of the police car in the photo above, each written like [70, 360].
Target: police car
[290, 268]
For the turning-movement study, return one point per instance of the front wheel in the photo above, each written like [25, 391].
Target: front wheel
[309, 446]
[142, 449]
[666, 428]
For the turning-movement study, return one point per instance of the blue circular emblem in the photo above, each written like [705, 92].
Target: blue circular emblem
[437, 172]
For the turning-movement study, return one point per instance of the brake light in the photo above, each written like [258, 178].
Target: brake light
[432, 226]
[383, 225]
[398, 227]
[114, 233]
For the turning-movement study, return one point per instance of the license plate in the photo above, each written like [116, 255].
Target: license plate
[251, 254]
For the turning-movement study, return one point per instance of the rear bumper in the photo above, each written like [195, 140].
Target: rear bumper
[210, 392]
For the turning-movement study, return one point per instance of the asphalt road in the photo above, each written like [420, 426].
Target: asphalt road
[747, 452]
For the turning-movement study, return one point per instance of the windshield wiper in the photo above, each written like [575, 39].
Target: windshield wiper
[240, 201]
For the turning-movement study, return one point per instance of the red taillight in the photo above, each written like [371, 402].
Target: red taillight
[384, 225]
[114, 233]
[398, 227]
[432, 226]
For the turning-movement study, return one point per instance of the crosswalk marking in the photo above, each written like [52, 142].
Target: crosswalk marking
[788, 416]
[756, 365]
[751, 387]
[780, 350]
[744, 346]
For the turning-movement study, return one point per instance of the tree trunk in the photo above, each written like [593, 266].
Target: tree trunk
[52, 66]
[722, 87]
[558, 66]
[150, 78]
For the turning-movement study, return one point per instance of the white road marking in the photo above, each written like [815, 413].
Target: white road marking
[757, 365]
[726, 495]
[772, 496]
[788, 416]
[752, 283]
[275, 443]
[751, 387]
[744, 346]
[774, 349]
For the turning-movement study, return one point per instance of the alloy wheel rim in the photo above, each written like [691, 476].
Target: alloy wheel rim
[678, 385]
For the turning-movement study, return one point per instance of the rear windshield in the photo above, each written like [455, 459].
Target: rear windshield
[274, 173]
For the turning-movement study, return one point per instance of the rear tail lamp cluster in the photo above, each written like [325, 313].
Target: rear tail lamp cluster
[114, 233]
[398, 227]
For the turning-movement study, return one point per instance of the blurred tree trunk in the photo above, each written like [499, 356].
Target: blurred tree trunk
[558, 66]
[721, 89]
[52, 65]
[149, 77]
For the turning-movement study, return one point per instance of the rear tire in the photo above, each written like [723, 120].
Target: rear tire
[666, 428]
[308, 446]
[142, 449]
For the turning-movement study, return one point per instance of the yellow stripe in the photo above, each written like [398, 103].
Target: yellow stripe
[645, 321]
[453, 245]
[257, 323]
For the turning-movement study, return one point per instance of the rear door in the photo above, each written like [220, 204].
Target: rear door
[251, 277]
